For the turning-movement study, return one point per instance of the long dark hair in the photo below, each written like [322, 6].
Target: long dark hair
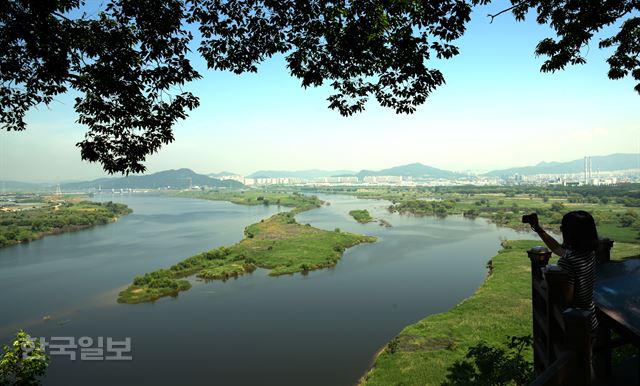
[579, 231]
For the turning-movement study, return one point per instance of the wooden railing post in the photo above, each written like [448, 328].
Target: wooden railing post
[577, 325]
[603, 251]
[603, 342]
[539, 257]
[557, 300]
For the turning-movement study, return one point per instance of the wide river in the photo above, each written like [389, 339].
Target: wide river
[320, 329]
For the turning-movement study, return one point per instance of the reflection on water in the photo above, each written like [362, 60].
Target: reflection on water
[318, 329]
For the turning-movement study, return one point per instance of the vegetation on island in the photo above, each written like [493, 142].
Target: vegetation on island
[425, 352]
[361, 215]
[277, 243]
[257, 197]
[24, 223]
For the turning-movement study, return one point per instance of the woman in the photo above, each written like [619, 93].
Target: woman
[577, 256]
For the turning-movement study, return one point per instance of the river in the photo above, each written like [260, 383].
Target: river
[317, 329]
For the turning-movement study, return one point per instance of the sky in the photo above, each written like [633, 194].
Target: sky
[496, 111]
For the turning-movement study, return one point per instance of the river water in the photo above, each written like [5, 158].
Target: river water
[317, 329]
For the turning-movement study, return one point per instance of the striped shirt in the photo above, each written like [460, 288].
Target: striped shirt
[581, 267]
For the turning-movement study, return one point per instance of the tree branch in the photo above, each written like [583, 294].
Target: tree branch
[62, 16]
[506, 10]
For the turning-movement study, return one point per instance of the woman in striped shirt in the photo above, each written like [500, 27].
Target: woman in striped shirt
[577, 256]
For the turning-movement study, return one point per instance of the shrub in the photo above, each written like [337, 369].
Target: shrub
[471, 213]
[164, 282]
[486, 365]
[213, 255]
[393, 345]
[628, 219]
[23, 362]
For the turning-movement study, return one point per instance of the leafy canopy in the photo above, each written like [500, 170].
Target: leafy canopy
[128, 60]
[23, 362]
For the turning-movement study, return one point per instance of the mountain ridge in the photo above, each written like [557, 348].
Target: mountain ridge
[175, 178]
[415, 170]
[604, 163]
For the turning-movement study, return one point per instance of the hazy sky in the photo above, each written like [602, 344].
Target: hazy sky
[496, 110]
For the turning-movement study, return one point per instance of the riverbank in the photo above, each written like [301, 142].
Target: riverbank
[501, 307]
[278, 243]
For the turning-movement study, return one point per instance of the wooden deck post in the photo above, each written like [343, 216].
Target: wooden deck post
[539, 257]
[603, 341]
[577, 325]
[603, 251]
[557, 301]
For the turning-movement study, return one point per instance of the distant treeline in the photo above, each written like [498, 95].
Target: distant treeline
[614, 207]
[624, 194]
[26, 224]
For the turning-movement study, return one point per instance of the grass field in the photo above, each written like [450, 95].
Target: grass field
[501, 307]
[278, 243]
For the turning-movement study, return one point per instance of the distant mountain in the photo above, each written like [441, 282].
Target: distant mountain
[221, 174]
[175, 179]
[603, 163]
[306, 174]
[415, 170]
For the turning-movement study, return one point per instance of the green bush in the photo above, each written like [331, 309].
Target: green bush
[486, 365]
[23, 362]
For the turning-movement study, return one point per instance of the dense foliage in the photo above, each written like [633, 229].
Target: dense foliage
[487, 365]
[23, 225]
[23, 362]
[126, 60]
[361, 215]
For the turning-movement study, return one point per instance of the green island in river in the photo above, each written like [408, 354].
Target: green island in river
[26, 223]
[277, 243]
[361, 215]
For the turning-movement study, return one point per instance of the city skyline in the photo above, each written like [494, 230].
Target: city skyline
[619, 164]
